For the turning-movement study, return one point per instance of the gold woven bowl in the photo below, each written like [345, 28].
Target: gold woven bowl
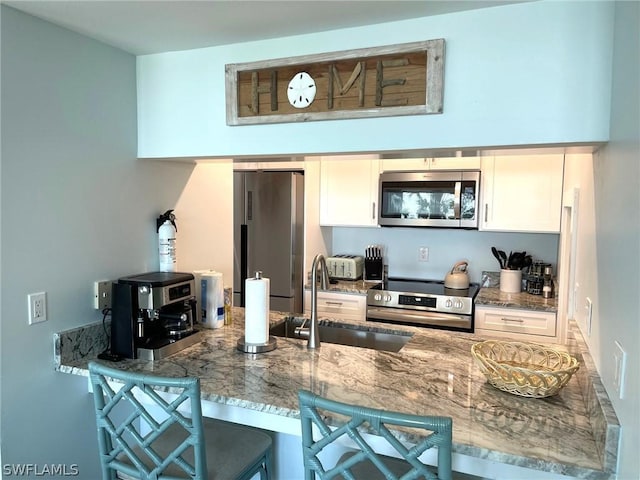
[525, 369]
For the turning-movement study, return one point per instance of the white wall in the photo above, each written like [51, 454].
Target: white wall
[204, 217]
[531, 73]
[76, 207]
[317, 239]
[608, 241]
[446, 247]
[616, 172]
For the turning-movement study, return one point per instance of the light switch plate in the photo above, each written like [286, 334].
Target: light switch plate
[620, 357]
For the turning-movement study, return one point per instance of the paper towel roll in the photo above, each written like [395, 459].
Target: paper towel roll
[212, 299]
[197, 275]
[256, 310]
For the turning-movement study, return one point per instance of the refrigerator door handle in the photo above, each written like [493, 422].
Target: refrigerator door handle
[243, 262]
[249, 205]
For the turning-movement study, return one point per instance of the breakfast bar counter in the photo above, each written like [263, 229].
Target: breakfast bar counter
[573, 433]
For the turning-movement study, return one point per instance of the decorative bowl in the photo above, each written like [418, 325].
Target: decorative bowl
[525, 369]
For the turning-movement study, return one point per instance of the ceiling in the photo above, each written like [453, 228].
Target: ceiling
[148, 26]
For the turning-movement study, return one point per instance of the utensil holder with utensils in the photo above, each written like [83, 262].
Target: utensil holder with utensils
[511, 269]
[510, 281]
[374, 263]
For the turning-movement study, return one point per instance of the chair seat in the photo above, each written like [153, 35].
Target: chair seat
[367, 470]
[222, 441]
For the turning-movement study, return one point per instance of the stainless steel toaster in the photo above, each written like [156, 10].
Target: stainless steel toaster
[345, 267]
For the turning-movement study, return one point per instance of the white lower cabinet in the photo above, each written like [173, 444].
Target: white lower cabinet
[515, 323]
[344, 306]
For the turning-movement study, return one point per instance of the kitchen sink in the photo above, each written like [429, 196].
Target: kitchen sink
[345, 334]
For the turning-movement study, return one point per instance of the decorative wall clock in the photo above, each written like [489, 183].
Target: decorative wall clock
[301, 90]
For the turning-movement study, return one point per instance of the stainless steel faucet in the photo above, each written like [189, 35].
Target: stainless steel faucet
[312, 332]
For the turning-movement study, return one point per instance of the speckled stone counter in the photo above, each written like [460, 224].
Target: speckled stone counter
[494, 297]
[357, 287]
[433, 374]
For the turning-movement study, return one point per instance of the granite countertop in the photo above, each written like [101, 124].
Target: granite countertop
[573, 433]
[492, 296]
[357, 287]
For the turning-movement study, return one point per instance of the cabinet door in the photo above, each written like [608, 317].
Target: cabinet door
[404, 164]
[522, 193]
[455, 163]
[343, 306]
[516, 322]
[349, 190]
[417, 164]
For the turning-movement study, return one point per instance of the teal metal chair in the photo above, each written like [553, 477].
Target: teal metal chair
[140, 442]
[366, 464]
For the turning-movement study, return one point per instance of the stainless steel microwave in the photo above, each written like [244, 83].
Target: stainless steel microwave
[444, 198]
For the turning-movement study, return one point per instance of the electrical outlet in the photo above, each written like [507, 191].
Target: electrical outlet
[37, 307]
[423, 254]
[102, 294]
[620, 358]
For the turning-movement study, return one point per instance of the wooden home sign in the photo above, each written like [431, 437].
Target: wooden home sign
[403, 79]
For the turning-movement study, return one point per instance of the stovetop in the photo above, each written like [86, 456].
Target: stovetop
[425, 287]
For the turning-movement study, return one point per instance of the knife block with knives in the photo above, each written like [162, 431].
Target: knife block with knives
[373, 263]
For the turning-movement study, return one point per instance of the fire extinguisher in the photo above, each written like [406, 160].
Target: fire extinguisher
[167, 230]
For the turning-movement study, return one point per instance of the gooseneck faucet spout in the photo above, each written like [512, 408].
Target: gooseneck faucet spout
[312, 332]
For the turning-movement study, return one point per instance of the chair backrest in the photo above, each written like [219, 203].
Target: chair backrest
[434, 431]
[131, 437]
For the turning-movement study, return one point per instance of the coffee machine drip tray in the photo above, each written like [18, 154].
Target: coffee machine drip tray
[166, 348]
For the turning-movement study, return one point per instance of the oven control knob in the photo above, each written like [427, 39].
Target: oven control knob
[457, 304]
[387, 298]
[377, 297]
[448, 303]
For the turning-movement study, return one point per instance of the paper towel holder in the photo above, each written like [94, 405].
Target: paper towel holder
[257, 347]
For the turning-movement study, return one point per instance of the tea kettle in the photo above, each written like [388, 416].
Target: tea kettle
[458, 277]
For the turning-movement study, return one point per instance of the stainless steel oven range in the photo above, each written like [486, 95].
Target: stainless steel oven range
[424, 303]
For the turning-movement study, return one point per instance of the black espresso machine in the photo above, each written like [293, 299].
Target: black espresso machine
[153, 315]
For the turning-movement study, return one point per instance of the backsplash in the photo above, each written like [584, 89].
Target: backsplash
[79, 343]
[446, 247]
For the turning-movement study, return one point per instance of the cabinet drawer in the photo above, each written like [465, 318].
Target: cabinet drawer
[516, 321]
[338, 305]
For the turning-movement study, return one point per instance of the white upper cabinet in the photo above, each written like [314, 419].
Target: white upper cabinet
[455, 163]
[404, 164]
[268, 165]
[349, 190]
[522, 193]
[445, 163]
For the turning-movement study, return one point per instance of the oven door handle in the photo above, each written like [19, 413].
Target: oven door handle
[404, 316]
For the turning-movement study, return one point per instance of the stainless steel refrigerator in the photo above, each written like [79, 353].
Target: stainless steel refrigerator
[268, 211]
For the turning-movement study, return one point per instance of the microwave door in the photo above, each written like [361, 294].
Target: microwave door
[469, 200]
[429, 199]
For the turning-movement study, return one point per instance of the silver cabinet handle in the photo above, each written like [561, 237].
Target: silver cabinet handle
[373, 210]
[337, 304]
[456, 200]
[486, 212]
[517, 320]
